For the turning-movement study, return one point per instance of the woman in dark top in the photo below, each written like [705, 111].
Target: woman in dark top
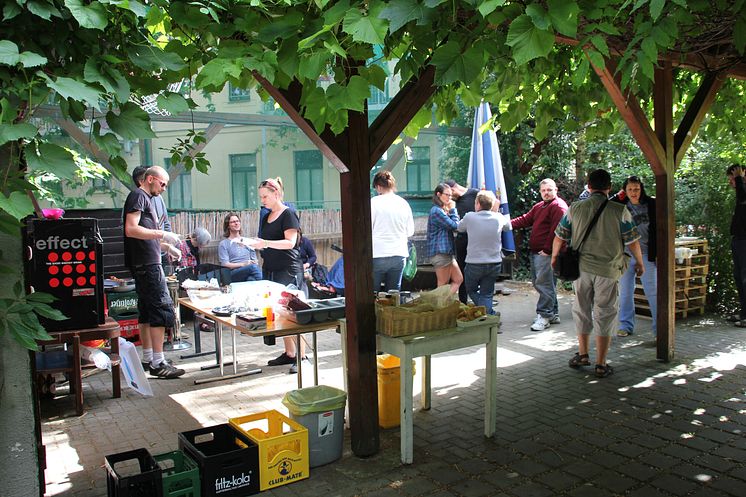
[642, 208]
[280, 255]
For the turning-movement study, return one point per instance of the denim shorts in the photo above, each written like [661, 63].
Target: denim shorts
[153, 300]
[441, 260]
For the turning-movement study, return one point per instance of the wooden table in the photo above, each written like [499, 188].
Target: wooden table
[280, 327]
[424, 345]
[71, 365]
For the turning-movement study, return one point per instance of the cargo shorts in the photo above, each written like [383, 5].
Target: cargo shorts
[153, 299]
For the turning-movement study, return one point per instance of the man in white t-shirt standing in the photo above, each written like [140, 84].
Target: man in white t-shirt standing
[392, 224]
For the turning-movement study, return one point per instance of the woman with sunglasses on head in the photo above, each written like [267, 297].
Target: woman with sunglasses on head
[441, 224]
[236, 253]
[642, 208]
[280, 230]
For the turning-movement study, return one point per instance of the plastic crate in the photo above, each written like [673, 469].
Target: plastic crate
[228, 460]
[180, 474]
[283, 447]
[146, 482]
[129, 330]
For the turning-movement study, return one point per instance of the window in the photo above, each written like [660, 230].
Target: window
[238, 94]
[418, 170]
[378, 97]
[101, 184]
[178, 195]
[309, 179]
[243, 181]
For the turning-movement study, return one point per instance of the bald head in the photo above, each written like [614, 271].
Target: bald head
[155, 180]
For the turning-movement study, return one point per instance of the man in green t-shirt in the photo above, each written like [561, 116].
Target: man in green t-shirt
[602, 263]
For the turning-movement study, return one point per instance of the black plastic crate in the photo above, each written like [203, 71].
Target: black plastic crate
[228, 460]
[147, 482]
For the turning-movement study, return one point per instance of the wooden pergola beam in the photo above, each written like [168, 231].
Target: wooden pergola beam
[289, 101]
[399, 111]
[634, 116]
[84, 140]
[695, 114]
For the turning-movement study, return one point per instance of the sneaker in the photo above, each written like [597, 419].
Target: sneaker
[281, 359]
[294, 368]
[146, 365]
[540, 324]
[166, 371]
[555, 320]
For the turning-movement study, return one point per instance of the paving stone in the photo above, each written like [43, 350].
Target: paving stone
[674, 484]
[615, 483]
[732, 486]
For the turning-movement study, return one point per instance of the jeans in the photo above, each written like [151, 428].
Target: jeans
[480, 283]
[387, 270]
[544, 281]
[627, 294]
[738, 249]
[252, 272]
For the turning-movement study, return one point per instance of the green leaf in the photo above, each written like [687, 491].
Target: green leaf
[45, 10]
[649, 47]
[375, 75]
[400, 12]
[564, 16]
[350, 97]
[656, 7]
[313, 65]
[18, 205]
[538, 16]
[596, 58]
[282, 27]
[214, 74]
[366, 28]
[152, 58]
[488, 7]
[50, 158]
[314, 102]
[48, 312]
[108, 142]
[98, 71]
[581, 72]
[173, 103]
[451, 65]
[131, 123]
[31, 59]
[9, 55]
[91, 16]
[44, 298]
[528, 42]
[599, 42]
[75, 90]
[13, 132]
[10, 10]
[423, 119]
[739, 35]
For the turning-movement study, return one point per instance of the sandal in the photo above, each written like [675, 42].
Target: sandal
[579, 361]
[741, 323]
[734, 318]
[603, 370]
[624, 333]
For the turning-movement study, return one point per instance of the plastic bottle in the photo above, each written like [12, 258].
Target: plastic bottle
[269, 313]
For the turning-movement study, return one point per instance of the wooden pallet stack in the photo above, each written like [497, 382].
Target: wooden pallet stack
[690, 280]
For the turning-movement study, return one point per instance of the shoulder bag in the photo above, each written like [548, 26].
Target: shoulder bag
[568, 262]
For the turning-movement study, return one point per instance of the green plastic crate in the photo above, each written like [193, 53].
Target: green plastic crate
[180, 475]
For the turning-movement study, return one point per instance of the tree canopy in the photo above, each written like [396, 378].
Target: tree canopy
[97, 59]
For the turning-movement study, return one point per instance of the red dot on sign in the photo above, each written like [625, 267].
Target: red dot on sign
[93, 282]
[79, 256]
[54, 282]
[67, 256]
[92, 255]
[67, 282]
[53, 256]
[80, 268]
[54, 269]
[67, 269]
[92, 268]
[81, 281]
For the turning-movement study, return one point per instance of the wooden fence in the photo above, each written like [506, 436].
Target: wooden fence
[322, 227]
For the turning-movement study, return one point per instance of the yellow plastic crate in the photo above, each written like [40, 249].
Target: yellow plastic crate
[283, 447]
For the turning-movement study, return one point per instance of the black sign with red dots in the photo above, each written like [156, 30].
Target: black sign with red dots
[64, 258]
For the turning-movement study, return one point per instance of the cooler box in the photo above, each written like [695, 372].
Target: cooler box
[283, 447]
[228, 460]
[65, 258]
[321, 410]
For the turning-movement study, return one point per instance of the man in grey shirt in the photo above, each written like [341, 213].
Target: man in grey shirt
[484, 250]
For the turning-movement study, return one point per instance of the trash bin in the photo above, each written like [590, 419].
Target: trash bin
[321, 410]
[389, 388]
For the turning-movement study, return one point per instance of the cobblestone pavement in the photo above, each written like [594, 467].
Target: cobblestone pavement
[650, 429]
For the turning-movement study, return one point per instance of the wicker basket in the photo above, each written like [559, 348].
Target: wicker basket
[398, 321]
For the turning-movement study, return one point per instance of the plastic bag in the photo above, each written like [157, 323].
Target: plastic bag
[320, 398]
[440, 297]
[410, 265]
